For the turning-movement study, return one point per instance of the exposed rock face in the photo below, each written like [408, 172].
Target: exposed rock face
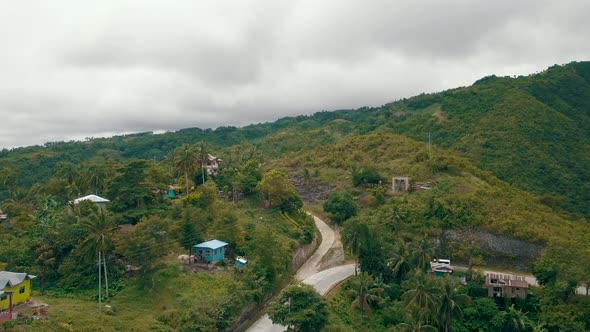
[311, 193]
[497, 249]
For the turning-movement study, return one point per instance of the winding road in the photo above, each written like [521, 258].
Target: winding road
[310, 274]
[323, 281]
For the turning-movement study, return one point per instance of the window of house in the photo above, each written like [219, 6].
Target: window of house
[3, 297]
[21, 290]
[215, 252]
[206, 252]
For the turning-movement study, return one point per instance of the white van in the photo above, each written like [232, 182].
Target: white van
[442, 261]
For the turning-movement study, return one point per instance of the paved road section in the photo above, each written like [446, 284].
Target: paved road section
[311, 266]
[308, 272]
[322, 282]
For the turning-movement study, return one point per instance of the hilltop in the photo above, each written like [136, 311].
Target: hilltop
[530, 131]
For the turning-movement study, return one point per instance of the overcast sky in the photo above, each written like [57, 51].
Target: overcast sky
[70, 70]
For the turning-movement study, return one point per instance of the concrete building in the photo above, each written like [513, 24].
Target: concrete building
[506, 286]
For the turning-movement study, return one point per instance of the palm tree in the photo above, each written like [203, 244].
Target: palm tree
[401, 262]
[421, 296]
[364, 292]
[450, 300]
[185, 160]
[99, 241]
[203, 157]
[95, 174]
[7, 178]
[71, 174]
[354, 234]
[515, 320]
[422, 253]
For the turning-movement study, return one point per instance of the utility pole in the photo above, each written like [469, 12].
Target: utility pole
[99, 287]
[429, 147]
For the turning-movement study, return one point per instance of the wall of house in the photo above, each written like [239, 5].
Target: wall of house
[218, 254]
[17, 296]
[4, 301]
[214, 255]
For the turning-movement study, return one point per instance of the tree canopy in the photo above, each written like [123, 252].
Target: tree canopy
[300, 308]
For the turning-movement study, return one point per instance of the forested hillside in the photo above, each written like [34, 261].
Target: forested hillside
[508, 157]
[531, 131]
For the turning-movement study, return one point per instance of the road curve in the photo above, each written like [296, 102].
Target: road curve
[311, 266]
[322, 282]
[309, 273]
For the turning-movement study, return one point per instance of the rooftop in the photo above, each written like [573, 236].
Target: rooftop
[92, 198]
[507, 280]
[12, 278]
[213, 244]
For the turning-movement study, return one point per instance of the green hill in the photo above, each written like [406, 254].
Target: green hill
[531, 131]
[459, 196]
[509, 156]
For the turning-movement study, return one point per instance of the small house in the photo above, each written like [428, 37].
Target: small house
[171, 193]
[15, 288]
[210, 252]
[240, 262]
[3, 216]
[212, 165]
[94, 199]
[506, 286]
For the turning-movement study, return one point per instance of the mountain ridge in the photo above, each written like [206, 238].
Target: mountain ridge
[531, 131]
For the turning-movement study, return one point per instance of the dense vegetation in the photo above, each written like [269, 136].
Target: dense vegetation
[395, 238]
[510, 156]
[138, 238]
[531, 131]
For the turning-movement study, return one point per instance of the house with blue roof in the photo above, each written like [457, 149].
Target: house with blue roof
[210, 252]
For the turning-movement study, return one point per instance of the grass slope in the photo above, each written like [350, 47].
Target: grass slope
[475, 195]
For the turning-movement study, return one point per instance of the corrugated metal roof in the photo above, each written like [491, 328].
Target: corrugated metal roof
[213, 244]
[92, 198]
[12, 278]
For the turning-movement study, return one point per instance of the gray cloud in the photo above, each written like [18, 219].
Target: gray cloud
[73, 71]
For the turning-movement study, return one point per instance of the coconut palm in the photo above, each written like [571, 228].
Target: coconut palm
[202, 150]
[100, 227]
[401, 262]
[421, 296]
[515, 320]
[69, 172]
[364, 292]
[450, 301]
[7, 178]
[95, 174]
[422, 252]
[186, 160]
[354, 233]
